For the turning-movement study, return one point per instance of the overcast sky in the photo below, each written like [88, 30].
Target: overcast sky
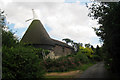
[61, 19]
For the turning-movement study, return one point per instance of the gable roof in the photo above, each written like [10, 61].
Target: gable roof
[56, 42]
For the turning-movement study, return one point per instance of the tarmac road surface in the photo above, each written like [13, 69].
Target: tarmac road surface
[95, 71]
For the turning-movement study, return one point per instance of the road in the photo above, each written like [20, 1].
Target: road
[95, 71]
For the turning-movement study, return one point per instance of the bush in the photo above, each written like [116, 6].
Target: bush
[8, 39]
[65, 63]
[61, 64]
[82, 57]
[96, 58]
[20, 63]
[87, 51]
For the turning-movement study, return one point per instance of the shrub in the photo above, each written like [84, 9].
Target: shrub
[66, 63]
[82, 57]
[61, 64]
[8, 39]
[96, 58]
[20, 63]
[87, 51]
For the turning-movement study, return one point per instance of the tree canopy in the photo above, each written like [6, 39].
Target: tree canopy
[108, 16]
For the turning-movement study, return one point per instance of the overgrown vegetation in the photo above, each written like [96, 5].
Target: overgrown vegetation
[72, 62]
[21, 62]
[108, 16]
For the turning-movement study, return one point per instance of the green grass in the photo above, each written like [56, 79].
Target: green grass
[85, 66]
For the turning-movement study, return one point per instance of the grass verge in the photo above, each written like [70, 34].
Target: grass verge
[82, 68]
[85, 66]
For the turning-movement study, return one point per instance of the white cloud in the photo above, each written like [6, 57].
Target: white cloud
[66, 20]
[34, 1]
[5, 2]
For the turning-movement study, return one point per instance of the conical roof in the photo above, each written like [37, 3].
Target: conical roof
[36, 34]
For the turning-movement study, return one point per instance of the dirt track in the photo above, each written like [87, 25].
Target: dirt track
[71, 73]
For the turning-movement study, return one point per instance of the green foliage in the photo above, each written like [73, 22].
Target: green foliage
[87, 45]
[108, 17]
[41, 52]
[8, 39]
[73, 44]
[85, 66]
[98, 53]
[93, 54]
[65, 63]
[67, 40]
[87, 51]
[81, 57]
[96, 58]
[46, 52]
[20, 63]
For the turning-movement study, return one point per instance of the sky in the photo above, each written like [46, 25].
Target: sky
[62, 19]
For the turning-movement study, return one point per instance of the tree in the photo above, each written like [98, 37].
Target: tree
[80, 44]
[8, 39]
[99, 53]
[67, 40]
[108, 16]
[2, 19]
[2, 24]
[76, 46]
[87, 51]
[92, 47]
[87, 45]
[73, 44]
